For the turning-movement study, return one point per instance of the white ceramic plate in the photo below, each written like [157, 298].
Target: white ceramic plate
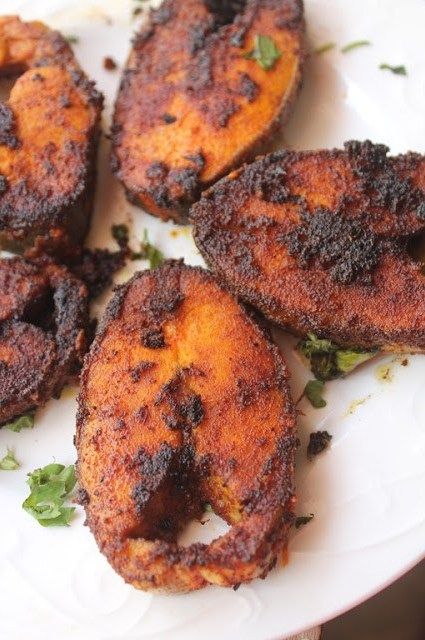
[367, 492]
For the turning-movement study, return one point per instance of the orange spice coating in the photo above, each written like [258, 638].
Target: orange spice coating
[48, 140]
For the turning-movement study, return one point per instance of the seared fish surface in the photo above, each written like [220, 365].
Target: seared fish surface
[184, 400]
[48, 140]
[318, 242]
[43, 333]
[192, 106]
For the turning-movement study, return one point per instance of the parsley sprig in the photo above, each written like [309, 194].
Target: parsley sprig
[149, 252]
[9, 462]
[355, 45]
[328, 360]
[398, 70]
[265, 52]
[23, 422]
[50, 487]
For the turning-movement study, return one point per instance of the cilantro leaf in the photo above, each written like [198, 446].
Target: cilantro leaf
[23, 422]
[303, 520]
[399, 70]
[313, 391]
[265, 52]
[50, 486]
[72, 39]
[329, 361]
[9, 462]
[347, 361]
[355, 44]
[149, 252]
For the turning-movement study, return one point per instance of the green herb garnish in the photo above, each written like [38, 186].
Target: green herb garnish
[50, 486]
[23, 422]
[148, 252]
[324, 47]
[265, 52]
[399, 70]
[355, 44]
[120, 234]
[328, 360]
[313, 391]
[302, 520]
[72, 39]
[9, 462]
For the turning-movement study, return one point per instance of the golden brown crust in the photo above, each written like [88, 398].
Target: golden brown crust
[191, 106]
[317, 242]
[48, 139]
[199, 410]
[43, 333]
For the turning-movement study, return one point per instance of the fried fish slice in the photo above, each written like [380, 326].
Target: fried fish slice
[184, 400]
[192, 106]
[43, 333]
[48, 140]
[317, 241]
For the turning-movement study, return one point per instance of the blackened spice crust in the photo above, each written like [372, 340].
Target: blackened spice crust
[341, 245]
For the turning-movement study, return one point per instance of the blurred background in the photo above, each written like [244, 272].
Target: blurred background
[398, 613]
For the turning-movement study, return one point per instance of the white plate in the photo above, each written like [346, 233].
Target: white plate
[367, 492]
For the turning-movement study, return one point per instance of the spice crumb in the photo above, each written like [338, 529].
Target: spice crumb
[319, 441]
[109, 63]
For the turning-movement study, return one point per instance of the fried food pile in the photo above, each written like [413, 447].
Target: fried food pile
[194, 102]
[48, 140]
[44, 326]
[184, 400]
[318, 242]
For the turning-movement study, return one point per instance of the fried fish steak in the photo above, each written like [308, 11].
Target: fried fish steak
[317, 241]
[191, 106]
[44, 325]
[185, 400]
[48, 138]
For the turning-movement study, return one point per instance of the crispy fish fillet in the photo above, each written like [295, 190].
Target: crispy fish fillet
[43, 333]
[48, 140]
[184, 400]
[318, 242]
[191, 106]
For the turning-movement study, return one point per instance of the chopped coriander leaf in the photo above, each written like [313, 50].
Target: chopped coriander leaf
[9, 462]
[399, 70]
[329, 361]
[207, 507]
[120, 234]
[319, 441]
[23, 422]
[355, 44]
[347, 361]
[72, 39]
[50, 487]
[265, 52]
[302, 520]
[313, 391]
[312, 344]
[148, 252]
[323, 48]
